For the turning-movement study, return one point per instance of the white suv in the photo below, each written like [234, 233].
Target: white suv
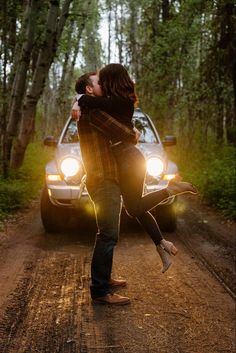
[65, 192]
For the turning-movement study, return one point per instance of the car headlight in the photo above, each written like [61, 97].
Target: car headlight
[155, 166]
[70, 166]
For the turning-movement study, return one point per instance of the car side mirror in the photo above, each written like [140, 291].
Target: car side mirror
[169, 141]
[50, 141]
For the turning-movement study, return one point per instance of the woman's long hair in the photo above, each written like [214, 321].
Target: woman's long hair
[115, 81]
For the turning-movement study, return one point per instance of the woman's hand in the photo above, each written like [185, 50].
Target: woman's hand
[75, 112]
[137, 134]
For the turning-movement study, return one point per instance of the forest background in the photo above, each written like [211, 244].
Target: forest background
[181, 54]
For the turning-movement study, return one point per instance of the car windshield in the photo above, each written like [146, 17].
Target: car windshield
[71, 133]
[141, 123]
[144, 126]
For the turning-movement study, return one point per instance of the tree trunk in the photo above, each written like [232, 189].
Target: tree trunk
[226, 61]
[53, 33]
[119, 32]
[228, 43]
[231, 132]
[3, 152]
[219, 118]
[133, 39]
[165, 10]
[19, 84]
[109, 33]
[62, 100]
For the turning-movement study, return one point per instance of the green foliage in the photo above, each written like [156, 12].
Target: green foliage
[23, 185]
[218, 186]
[14, 194]
[34, 164]
[212, 170]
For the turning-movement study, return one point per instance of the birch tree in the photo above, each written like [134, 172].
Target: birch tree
[53, 30]
[20, 80]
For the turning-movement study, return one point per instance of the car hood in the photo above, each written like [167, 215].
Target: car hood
[73, 149]
[65, 150]
[151, 150]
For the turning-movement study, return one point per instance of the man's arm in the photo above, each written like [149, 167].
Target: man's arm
[111, 127]
[106, 124]
[96, 102]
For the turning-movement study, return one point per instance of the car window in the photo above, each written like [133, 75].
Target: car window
[141, 123]
[71, 133]
[147, 132]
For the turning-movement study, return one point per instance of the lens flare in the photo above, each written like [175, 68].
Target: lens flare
[155, 166]
[70, 166]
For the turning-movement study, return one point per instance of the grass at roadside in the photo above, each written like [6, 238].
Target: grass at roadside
[24, 184]
[213, 171]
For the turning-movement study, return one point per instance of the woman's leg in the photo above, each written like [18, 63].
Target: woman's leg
[131, 177]
[150, 225]
[132, 171]
[149, 201]
[132, 168]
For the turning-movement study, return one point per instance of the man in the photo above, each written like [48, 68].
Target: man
[102, 185]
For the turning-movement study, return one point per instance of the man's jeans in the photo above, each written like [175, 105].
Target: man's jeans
[107, 203]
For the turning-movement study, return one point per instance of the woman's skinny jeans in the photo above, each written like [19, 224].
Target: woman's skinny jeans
[132, 171]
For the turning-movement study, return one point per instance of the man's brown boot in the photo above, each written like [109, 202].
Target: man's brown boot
[112, 299]
[114, 283]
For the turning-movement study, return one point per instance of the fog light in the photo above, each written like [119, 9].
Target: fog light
[169, 176]
[53, 177]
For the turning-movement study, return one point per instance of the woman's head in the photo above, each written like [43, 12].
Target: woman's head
[115, 81]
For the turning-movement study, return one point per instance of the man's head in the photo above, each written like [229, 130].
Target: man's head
[88, 84]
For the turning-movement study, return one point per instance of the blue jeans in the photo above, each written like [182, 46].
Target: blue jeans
[132, 171]
[107, 204]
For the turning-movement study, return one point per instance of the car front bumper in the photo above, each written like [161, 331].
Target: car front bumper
[77, 195]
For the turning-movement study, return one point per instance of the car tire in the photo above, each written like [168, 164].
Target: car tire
[54, 218]
[166, 217]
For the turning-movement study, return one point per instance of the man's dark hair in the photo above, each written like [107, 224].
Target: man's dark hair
[83, 81]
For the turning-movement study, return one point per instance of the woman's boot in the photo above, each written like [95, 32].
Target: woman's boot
[166, 262]
[181, 187]
[165, 249]
[168, 247]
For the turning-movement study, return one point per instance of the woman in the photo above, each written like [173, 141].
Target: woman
[118, 100]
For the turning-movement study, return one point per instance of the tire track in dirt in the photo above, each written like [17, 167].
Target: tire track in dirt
[210, 242]
[15, 309]
[94, 337]
[50, 310]
[41, 315]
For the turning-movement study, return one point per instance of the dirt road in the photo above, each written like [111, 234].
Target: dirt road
[44, 289]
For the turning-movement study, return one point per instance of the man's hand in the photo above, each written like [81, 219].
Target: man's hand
[75, 111]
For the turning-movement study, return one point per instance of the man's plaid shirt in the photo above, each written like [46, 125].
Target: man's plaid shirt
[94, 127]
